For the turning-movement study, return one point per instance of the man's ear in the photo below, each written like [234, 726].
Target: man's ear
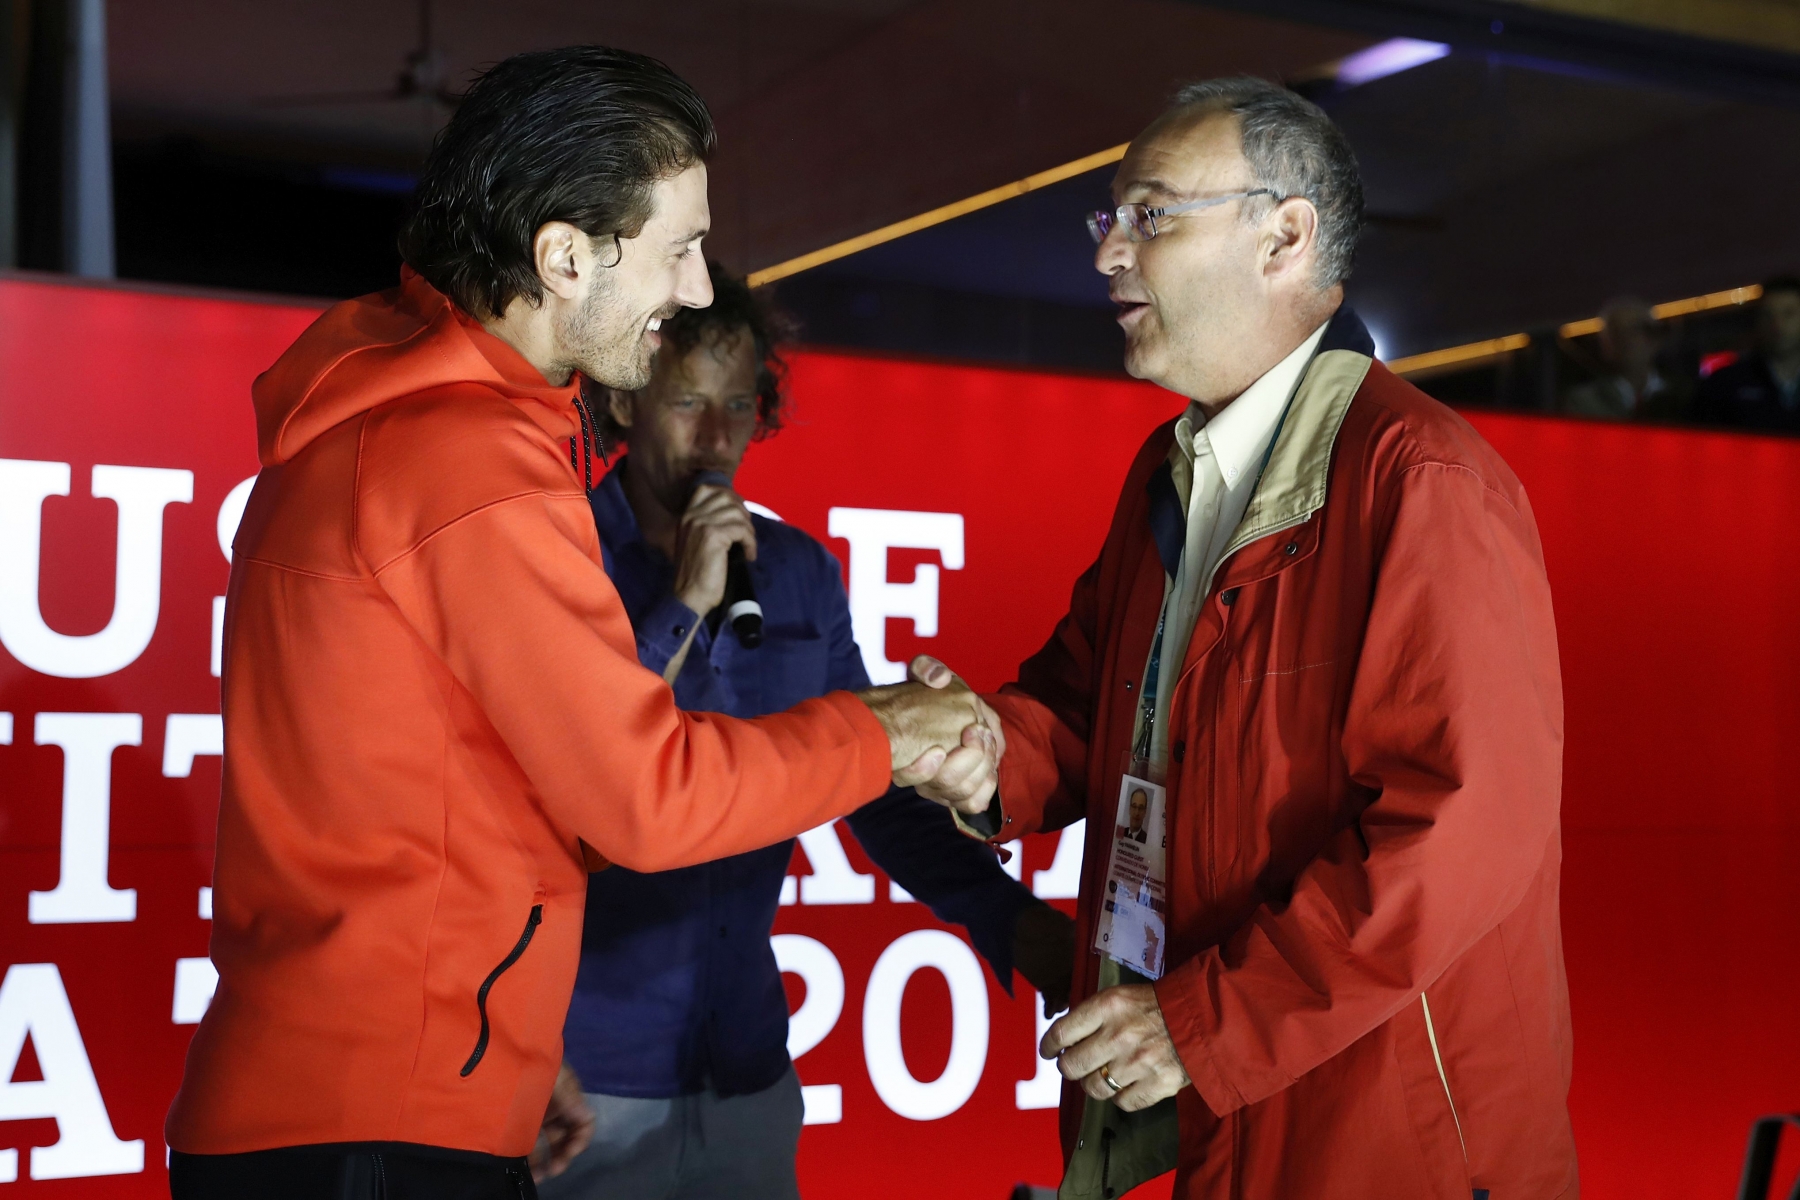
[622, 406]
[1289, 236]
[561, 255]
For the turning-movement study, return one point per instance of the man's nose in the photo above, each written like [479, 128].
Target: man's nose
[1114, 253]
[693, 286]
[714, 433]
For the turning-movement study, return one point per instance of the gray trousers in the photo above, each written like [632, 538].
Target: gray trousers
[698, 1147]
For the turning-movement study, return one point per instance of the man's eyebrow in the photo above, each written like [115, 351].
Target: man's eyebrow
[1157, 187]
[694, 236]
[1148, 187]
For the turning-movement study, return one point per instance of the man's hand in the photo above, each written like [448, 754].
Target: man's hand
[1044, 953]
[715, 520]
[1120, 1035]
[945, 741]
[966, 780]
[568, 1128]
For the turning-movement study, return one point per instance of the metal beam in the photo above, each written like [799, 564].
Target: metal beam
[12, 93]
[65, 176]
[87, 145]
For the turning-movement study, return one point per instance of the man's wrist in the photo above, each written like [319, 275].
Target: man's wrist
[694, 601]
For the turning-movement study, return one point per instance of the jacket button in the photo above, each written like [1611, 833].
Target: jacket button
[1180, 751]
[1293, 548]
[1128, 685]
[681, 631]
[1228, 597]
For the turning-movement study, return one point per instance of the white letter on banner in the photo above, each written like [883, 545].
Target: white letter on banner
[894, 1082]
[231, 515]
[1063, 880]
[833, 879]
[32, 1001]
[82, 892]
[818, 968]
[196, 979]
[1043, 1090]
[185, 738]
[872, 532]
[141, 493]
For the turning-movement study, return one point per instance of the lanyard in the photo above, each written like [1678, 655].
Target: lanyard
[1151, 676]
[1140, 751]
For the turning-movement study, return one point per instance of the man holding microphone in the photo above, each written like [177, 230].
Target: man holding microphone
[678, 1027]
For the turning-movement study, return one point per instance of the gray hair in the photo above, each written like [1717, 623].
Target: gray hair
[1294, 150]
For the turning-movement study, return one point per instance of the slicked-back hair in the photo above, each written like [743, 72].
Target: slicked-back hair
[735, 310]
[581, 134]
[1293, 149]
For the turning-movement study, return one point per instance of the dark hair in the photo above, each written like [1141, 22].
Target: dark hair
[580, 135]
[735, 309]
[1294, 149]
[1781, 283]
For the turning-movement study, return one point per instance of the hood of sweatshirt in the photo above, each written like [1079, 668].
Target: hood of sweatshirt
[381, 347]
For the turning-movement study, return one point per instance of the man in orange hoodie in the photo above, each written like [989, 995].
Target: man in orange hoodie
[435, 721]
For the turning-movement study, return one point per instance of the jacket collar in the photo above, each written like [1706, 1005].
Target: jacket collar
[1292, 486]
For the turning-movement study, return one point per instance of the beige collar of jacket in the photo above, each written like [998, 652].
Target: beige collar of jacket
[1292, 487]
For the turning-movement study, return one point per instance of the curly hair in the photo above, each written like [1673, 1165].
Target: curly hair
[735, 309]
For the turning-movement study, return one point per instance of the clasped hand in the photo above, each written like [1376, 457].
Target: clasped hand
[946, 741]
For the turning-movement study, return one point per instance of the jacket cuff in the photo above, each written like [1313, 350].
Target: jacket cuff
[877, 751]
[1182, 996]
[662, 630]
[1028, 773]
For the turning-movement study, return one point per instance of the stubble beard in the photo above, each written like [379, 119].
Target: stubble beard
[601, 344]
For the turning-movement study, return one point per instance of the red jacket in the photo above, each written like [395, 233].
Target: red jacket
[1365, 975]
[432, 698]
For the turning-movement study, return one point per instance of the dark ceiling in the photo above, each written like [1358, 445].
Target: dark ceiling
[1509, 187]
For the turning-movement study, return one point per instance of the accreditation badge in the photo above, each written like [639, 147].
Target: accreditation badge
[1130, 928]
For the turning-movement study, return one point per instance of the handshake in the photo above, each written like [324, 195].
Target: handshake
[946, 742]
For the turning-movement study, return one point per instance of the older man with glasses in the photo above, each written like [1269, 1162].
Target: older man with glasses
[1317, 653]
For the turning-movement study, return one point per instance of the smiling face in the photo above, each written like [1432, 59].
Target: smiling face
[697, 414]
[1213, 300]
[611, 335]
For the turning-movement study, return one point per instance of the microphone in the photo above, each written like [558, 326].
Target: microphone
[741, 608]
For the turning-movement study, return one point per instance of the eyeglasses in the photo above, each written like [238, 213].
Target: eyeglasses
[1140, 220]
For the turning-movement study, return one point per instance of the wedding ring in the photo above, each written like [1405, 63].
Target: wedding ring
[1106, 1078]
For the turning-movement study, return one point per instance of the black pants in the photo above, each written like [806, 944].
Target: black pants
[350, 1171]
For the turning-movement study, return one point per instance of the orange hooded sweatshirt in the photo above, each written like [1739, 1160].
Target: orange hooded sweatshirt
[431, 700]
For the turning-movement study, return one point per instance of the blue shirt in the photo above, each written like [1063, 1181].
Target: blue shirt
[678, 988]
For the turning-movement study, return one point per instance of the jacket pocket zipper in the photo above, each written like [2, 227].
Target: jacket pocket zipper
[481, 1043]
[1443, 1077]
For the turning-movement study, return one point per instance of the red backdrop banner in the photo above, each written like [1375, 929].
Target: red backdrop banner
[963, 502]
